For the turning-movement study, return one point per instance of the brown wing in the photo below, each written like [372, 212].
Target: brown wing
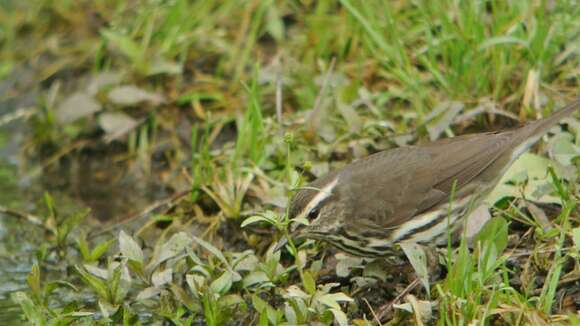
[391, 187]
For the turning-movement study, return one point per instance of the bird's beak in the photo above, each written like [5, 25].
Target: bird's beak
[296, 234]
[281, 243]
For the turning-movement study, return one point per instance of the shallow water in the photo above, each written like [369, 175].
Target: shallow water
[16, 245]
[86, 178]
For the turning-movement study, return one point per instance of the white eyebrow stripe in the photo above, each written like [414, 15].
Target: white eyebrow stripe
[322, 194]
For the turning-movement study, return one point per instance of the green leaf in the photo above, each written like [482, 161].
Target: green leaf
[557, 183]
[308, 282]
[97, 285]
[69, 223]
[264, 318]
[251, 140]
[259, 304]
[107, 309]
[548, 294]
[130, 248]
[461, 271]
[196, 283]
[49, 202]
[101, 249]
[187, 300]
[502, 40]
[253, 219]
[33, 280]
[274, 23]
[124, 43]
[213, 250]
[232, 300]
[272, 218]
[174, 246]
[331, 299]
[83, 247]
[193, 256]
[576, 237]
[495, 232]
[51, 286]
[30, 309]
[256, 277]
[222, 284]
[340, 317]
[114, 285]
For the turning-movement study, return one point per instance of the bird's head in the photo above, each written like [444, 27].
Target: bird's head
[315, 210]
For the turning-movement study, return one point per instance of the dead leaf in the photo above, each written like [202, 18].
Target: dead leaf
[116, 124]
[539, 215]
[95, 270]
[99, 81]
[163, 66]
[130, 95]
[563, 149]
[76, 106]
[534, 169]
[531, 93]
[418, 260]
[421, 309]
[160, 278]
[148, 293]
[317, 123]
[442, 117]
[352, 118]
[346, 264]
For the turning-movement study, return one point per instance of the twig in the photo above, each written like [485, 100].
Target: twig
[483, 109]
[21, 113]
[279, 83]
[312, 121]
[373, 312]
[324, 85]
[531, 252]
[54, 158]
[22, 215]
[385, 308]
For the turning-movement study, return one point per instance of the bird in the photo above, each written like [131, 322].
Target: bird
[412, 194]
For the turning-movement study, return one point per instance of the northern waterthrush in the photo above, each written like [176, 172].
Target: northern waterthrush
[414, 193]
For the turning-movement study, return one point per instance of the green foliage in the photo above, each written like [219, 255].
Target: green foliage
[200, 160]
[251, 136]
[548, 293]
[472, 278]
[400, 66]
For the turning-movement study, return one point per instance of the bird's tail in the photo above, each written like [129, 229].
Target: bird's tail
[531, 132]
[540, 127]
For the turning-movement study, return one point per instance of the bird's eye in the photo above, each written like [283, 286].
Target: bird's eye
[313, 214]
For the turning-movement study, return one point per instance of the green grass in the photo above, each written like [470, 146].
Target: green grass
[219, 65]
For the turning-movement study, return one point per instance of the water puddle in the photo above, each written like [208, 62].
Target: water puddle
[90, 177]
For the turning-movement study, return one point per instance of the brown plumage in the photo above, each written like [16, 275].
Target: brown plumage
[403, 194]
